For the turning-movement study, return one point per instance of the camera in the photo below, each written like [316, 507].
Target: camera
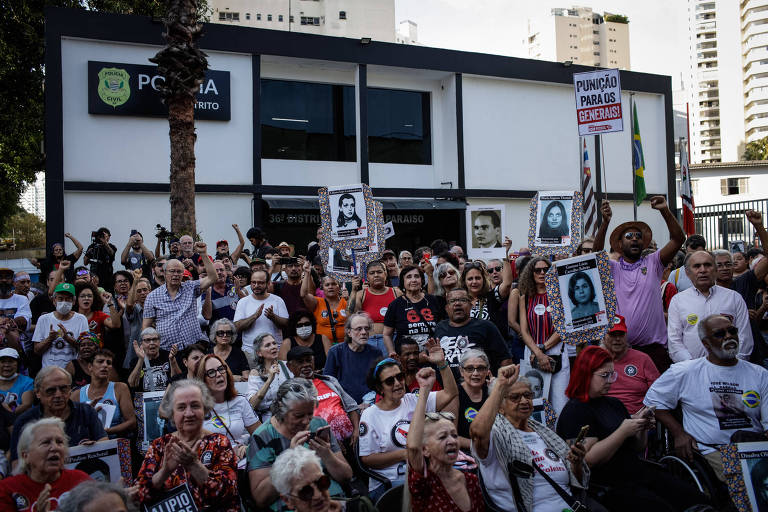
[163, 233]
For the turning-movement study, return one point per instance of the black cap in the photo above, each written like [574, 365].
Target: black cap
[298, 352]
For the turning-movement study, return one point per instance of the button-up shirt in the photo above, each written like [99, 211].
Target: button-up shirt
[175, 318]
[690, 307]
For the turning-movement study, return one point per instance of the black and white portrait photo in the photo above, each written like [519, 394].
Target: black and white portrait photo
[581, 291]
[485, 231]
[348, 212]
[753, 458]
[340, 261]
[553, 219]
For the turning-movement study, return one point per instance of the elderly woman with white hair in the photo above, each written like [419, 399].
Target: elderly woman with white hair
[40, 477]
[93, 496]
[475, 368]
[293, 423]
[202, 460]
[222, 335]
[298, 476]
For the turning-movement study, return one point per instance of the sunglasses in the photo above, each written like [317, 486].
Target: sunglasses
[390, 381]
[540, 270]
[720, 333]
[82, 272]
[215, 371]
[633, 235]
[495, 269]
[442, 275]
[223, 334]
[435, 416]
[308, 491]
[304, 324]
[516, 397]
[473, 264]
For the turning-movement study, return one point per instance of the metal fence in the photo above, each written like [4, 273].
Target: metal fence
[725, 226]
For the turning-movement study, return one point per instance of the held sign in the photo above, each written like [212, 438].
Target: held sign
[598, 101]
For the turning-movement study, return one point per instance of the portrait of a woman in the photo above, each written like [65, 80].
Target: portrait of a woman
[554, 222]
[581, 291]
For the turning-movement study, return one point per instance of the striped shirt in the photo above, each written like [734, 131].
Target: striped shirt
[539, 319]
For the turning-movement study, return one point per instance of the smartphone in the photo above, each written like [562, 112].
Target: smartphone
[133, 232]
[649, 412]
[582, 434]
[323, 433]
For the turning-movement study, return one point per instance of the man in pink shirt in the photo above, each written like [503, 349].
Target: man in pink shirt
[635, 372]
[636, 278]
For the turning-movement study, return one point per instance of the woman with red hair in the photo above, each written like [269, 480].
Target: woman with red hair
[615, 439]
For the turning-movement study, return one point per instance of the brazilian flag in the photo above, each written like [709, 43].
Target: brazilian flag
[638, 161]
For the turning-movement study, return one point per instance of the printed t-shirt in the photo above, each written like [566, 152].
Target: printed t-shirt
[96, 323]
[544, 496]
[236, 414]
[16, 306]
[60, 352]
[20, 492]
[636, 372]
[716, 400]
[416, 320]
[494, 478]
[12, 396]
[330, 408]
[385, 431]
[476, 333]
[468, 410]
[156, 376]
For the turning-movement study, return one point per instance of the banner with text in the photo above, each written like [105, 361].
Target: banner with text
[598, 102]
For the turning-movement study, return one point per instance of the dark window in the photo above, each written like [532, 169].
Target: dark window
[258, 17]
[307, 121]
[280, 18]
[222, 16]
[731, 186]
[316, 21]
[269, 17]
[290, 19]
[399, 130]
[304, 20]
[235, 16]
[247, 15]
[342, 15]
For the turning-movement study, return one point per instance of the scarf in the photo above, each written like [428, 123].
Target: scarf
[509, 446]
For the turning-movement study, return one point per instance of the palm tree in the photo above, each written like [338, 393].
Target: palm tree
[183, 65]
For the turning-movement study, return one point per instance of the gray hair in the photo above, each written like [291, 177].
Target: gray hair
[471, 354]
[690, 255]
[28, 435]
[166, 404]
[442, 268]
[722, 252]
[291, 392]
[225, 322]
[148, 331]
[348, 323]
[257, 342]
[89, 491]
[289, 465]
[399, 256]
[45, 372]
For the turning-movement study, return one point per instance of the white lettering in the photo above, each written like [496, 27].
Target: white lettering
[143, 80]
[154, 79]
[210, 86]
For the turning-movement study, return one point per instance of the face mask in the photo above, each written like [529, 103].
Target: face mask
[269, 262]
[5, 288]
[63, 307]
[304, 332]
[9, 378]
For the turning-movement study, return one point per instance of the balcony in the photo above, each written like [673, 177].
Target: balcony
[755, 54]
[753, 4]
[756, 70]
[707, 26]
[754, 124]
[752, 17]
[753, 30]
[756, 94]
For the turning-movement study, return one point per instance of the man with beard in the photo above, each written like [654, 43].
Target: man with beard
[636, 278]
[12, 305]
[700, 386]
[704, 298]
[289, 289]
[259, 312]
[136, 255]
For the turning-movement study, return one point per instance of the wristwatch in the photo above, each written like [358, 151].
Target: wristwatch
[541, 347]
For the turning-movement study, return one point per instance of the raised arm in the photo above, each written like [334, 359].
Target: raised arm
[210, 271]
[480, 428]
[58, 277]
[235, 255]
[607, 213]
[450, 389]
[309, 298]
[78, 246]
[756, 219]
[126, 250]
[130, 300]
[676, 234]
[415, 441]
[506, 273]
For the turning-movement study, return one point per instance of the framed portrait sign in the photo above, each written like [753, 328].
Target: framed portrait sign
[347, 208]
[486, 226]
[149, 425]
[582, 298]
[753, 460]
[555, 222]
[106, 461]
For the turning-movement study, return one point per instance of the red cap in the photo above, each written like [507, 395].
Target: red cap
[187, 273]
[222, 242]
[619, 325]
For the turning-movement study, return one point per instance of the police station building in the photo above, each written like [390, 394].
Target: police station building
[280, 114]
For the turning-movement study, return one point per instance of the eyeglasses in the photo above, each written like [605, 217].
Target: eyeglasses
[516, 397]
[223, 334]
[540, 270]
[495, 269]
[390, 381]
[82, 272]
[215, 371]
[461, 300]
[149, 340]
[175, 271]
[720, 333]
[472, 369]
[57, 389]
[307, 492]
[442, 275]
[159, 265]
[724, 264]
[633, 235]
[608, 376]
[435, 416]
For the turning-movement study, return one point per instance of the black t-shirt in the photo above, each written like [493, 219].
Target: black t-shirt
[468, 410]
[747, 285]
[158, 375]
[49, 264]
[603, 415]
[490, 307]
[417, 320]
[237, 362]
[100, 263]
[476, 333]
[318, 349]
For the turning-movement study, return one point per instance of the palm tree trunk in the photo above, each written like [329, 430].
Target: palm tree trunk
[182, 133]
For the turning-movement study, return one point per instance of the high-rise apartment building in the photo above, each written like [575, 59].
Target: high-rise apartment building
[342, 18]
[728, 77]
[579, 35]
[33, 198]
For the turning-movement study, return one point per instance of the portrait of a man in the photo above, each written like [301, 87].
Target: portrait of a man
[486, 229]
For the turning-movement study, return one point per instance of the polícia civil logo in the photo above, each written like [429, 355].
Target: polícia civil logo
[113, 86]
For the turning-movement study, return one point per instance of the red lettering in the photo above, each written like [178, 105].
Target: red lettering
[426, 313]
[412, 316]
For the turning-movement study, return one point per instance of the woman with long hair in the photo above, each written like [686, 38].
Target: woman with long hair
[544, 348]
[301, 331]
[374, 299]
[89, 302]
[330, 310]
[266, 377]
[554, 222]
[581, 291]
[487, 299]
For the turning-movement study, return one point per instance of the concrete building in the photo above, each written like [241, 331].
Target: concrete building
[728, 77]
[579, 35]
[33, 198]
[341, 18]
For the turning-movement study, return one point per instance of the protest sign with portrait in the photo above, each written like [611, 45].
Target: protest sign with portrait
[555, 222]
[149, 425]
[486, 226]
[106, 461]
[349, 220]
[753, 459]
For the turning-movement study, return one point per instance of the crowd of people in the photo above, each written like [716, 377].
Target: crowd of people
[286, 389]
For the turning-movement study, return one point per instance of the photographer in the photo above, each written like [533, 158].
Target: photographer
[100, 255]
[136, 255]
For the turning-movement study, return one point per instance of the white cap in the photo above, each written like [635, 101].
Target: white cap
[9, 352]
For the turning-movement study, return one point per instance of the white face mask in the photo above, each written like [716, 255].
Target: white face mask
[10, 377]
[63, 307]
[269, 261]
[304, 332]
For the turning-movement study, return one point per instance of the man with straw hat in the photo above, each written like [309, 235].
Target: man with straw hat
[637, 278]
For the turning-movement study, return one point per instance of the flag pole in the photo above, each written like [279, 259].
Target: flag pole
[632, 151]
[581, 180]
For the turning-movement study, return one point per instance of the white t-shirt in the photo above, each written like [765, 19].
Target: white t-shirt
[545, 498]
[255, 381]
[60, 352]
[247, 306]
[16, 306]
[386, 431]
[717, 400]
[236, 414]
[495, 480]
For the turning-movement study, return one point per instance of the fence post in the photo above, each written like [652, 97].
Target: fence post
[724, 228]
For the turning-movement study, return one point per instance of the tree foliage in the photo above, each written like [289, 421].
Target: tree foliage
[757, 150]
[616, 18]
[27, 229]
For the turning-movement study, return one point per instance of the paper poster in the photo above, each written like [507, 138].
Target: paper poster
[581, 292]
[105, 461]
[486, 226]
[348, 213]
[149, 423]
[753, 458]
[105, 412]
[554, 225]
[598, 101]
[389, 230]
[540, 380]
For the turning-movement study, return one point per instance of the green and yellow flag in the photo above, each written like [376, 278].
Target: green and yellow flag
[638, 162]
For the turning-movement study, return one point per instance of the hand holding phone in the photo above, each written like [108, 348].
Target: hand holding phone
[582, 434]
[323, 433]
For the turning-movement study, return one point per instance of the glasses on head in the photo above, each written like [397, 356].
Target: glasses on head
[390, 381]
[633, 235]
[308, 491]
[460, 300]
[474, 264]
[540, 270]
[215, 371]
[57, 389]
[608, 376]
[497, 268]
[442, 275]
[362, 328]
[435, 416]
[472, 369]
[516, 397]
[223, 334]
[720, 333]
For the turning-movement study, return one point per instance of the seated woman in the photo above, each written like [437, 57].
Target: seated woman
[292, 424]
[222, 335]
[231, 415]
[384, 426]
[614, 441]
[297, 475]
[266, 377]
[101, 391]
[190, 357]
[301, 331]
[16, 393]
[433, 447]
[191, 455]
[475, 368]
[40, 475]
[87, 344]
[504, 433]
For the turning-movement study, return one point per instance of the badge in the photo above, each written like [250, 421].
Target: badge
[551, 455]
[363, 428]
[692, 319]
[751, 398]
[20, 500]
[399, 433]
[114, 89]
[206, 458]
[644, 270]
[324, 314]
[540, 309]
[59, 344]
[383, 311]
[462, 341]
[630, 370]
[343, 312]
[470, 413]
